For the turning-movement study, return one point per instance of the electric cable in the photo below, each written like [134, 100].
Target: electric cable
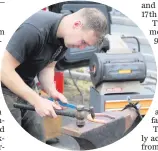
[74, 82]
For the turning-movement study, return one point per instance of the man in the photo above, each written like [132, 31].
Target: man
[34, 49]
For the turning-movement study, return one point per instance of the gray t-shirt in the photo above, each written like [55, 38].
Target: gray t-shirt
[34, 44]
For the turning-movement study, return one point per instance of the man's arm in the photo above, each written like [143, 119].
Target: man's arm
[10, 78]
[13, 81]
[46, 79]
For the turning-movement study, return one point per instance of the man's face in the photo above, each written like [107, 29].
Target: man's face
[80, 38]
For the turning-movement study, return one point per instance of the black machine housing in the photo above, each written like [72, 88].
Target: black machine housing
[117, 67]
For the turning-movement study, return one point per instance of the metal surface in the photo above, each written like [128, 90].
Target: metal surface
[118, 101]
[113, 67]
[120, 87]
[99, 135]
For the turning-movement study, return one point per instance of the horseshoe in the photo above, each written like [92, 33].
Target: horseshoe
[95, 120]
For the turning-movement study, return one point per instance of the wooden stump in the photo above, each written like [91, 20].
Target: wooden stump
[52, 127]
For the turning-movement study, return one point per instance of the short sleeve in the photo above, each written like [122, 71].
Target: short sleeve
[24, 41]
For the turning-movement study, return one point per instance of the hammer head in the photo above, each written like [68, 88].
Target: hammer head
[91, 110]
[80, 114]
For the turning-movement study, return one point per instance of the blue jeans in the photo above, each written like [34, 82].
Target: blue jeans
[29, 120]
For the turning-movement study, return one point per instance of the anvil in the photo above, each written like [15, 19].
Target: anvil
[113, 126]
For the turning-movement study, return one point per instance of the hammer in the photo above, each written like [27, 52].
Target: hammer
[79, 113]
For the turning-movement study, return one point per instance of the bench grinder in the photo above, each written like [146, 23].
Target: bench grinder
[116, 76]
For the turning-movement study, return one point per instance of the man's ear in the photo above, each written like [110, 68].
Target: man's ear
[77, 24]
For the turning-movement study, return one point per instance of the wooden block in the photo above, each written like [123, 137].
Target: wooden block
[52, 127]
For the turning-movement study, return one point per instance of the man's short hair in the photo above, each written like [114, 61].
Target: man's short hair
[95, 20]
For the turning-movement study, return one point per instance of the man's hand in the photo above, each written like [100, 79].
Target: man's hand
[57, 95]
[45, 107]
